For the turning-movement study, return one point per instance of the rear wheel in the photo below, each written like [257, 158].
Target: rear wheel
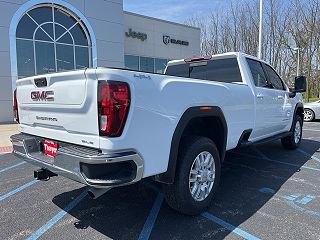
[197, 176]
[293, 141]
[308, 115]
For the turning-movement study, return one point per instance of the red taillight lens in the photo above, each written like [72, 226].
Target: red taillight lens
[113, 107]
[15, 106]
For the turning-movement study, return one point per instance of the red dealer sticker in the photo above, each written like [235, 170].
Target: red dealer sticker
[50, 148]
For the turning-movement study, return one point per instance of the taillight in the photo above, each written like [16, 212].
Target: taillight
[15, 106]
[113, 107]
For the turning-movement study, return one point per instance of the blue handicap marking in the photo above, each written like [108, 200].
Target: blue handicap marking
[291, 197]
[298, 198]
[306, 199]
[295, 200]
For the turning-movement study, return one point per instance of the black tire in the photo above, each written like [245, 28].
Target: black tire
[178, 195]
[290, 142]
[311, 115]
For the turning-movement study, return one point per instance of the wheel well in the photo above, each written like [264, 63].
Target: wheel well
[300, 112]
[308, 109]
[208, 122]
[210, 127]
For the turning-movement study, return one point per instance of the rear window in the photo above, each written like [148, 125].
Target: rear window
[220, 70]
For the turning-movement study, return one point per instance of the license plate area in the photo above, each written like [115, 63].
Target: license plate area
[49, 148]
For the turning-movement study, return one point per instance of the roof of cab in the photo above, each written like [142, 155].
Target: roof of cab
[227, 54]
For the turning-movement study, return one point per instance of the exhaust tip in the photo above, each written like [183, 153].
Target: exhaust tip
[95, 193]
[91, 195]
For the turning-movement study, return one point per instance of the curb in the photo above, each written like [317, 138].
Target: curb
[7, 149]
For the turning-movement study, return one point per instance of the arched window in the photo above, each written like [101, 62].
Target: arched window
[51, 39]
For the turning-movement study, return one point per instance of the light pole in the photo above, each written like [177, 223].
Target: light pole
[260, 30]
[297, 49]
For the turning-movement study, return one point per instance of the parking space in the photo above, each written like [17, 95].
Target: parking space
[266, 192]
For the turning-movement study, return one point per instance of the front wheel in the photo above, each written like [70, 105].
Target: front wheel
[293, 141]
[197, 176]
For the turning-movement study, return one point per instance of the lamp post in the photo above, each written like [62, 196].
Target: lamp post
[297, 49]
[260, 30]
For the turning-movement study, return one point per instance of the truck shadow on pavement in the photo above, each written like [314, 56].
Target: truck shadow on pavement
[122, 212]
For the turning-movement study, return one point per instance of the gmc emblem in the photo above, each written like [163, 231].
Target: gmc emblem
[42, 96]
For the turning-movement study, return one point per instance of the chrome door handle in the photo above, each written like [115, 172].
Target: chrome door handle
[259, 95]
[281, 97]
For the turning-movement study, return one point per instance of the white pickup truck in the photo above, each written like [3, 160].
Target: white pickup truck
[112, 127]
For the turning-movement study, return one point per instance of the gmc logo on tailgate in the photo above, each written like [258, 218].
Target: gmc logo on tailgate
[42, 96]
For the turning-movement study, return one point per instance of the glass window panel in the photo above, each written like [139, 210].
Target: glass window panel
[59, 30]
[45, 60]
[25, 58]
[82, 57]
[48, 28]
[179, 70]
[274, 78]
[65, 59]
[63, 18]
[45, 57]
[41, 14]
[41, 35]
[257, 72]
[160, 65]
[224, 70]
[131, 62]
[79, 36]
[146, 64]
[66, 39]
[199, 72]
[26, 27]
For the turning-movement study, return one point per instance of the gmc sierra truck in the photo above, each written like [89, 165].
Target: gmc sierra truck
[108, 127]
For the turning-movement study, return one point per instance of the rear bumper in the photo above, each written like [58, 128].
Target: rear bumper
[82, 164]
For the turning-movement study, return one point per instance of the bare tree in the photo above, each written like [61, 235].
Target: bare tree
[287, 25]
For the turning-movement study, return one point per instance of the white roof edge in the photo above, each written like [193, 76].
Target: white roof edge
[161, 20]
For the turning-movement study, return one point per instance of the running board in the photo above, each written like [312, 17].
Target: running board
[266, 140]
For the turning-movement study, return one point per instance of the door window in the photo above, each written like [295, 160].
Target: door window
[274, 78]
[258, 76]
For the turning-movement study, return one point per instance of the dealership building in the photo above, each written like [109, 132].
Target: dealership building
[40, 36]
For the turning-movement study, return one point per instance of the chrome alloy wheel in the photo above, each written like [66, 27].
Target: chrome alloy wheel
[308, 115]
[297, 132]
[202, 176]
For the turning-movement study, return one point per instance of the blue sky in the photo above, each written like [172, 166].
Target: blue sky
[174, 10]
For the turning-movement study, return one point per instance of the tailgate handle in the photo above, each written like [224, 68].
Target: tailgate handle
[40, 82]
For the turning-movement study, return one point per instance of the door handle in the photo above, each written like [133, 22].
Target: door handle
[260, 95]
[280, 97]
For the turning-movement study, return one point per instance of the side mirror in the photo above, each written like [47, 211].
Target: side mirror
[300, 84]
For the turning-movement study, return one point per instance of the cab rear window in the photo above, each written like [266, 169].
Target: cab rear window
[220, 70]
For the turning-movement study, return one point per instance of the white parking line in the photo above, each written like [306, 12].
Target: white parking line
[308, 129]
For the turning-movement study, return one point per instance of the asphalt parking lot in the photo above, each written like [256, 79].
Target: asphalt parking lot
[266, 192]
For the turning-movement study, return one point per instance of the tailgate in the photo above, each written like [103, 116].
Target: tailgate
[60, 106]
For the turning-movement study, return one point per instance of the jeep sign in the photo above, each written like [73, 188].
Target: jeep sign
[138, 35]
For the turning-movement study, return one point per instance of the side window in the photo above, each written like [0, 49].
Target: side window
[274, 78]
[259, 78]
[224, 70]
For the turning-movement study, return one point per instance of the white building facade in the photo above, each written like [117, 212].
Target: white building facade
[40, 36]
